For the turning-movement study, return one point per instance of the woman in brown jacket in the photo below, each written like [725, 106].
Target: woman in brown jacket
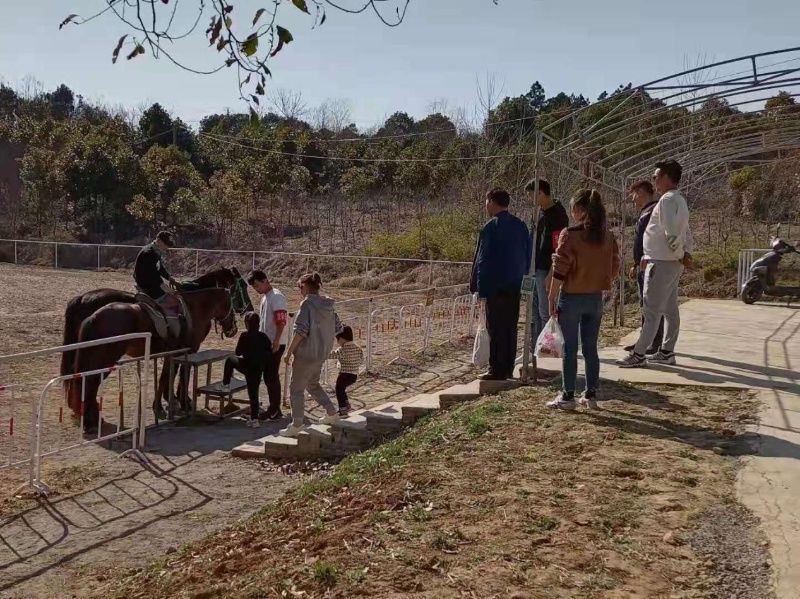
[585, 264]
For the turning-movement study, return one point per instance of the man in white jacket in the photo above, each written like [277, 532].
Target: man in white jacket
[667, 247]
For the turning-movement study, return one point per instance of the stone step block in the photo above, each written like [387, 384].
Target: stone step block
[384, 419]
[419, 406]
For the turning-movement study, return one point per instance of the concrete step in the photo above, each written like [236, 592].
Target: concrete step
[364, 428]
[384, 419]
[419, 406]
[458, 394]
[271, 446]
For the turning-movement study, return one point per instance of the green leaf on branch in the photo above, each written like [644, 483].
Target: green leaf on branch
[139, 49]
[250, 45]
[283, 34]
[301, 4]
[115, 53]
[259, 12]
[69, 19]
[228, 22]
[284, 37]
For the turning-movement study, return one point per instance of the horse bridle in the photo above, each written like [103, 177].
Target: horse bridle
[234, 291]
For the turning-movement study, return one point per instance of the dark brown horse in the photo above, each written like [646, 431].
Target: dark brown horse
[206, 306]
[83, 306]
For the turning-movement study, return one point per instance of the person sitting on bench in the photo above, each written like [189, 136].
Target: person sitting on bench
[251, 351]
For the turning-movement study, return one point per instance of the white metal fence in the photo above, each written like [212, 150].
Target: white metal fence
[746, 259]
[36, 426]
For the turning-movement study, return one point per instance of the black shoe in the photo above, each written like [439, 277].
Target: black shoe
[491, 377]
[276, 416]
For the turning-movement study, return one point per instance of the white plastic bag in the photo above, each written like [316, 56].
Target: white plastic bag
[480, 351]
[550, 343]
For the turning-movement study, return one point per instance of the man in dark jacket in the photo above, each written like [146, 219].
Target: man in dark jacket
[501, 261]
[150, 271]
[643, 196]
[552, 219]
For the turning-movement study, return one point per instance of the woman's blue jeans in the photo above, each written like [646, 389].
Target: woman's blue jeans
[580, 314]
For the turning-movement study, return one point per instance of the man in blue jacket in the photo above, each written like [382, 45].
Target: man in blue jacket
[501, 261]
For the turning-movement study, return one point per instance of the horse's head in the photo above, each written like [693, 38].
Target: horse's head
[232, 280]
[225, 315]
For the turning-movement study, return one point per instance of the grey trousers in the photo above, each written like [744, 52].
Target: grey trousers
[305, 377]
[660, 300]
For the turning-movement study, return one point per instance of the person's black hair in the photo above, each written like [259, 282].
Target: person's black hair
[252, 321]
[256, 275]
[672, 169]
[544, 186]
[643, 185]
[166, 238]
[499, 197]
[346, 333]
[590, 201]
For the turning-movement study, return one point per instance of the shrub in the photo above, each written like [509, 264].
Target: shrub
[448, 236]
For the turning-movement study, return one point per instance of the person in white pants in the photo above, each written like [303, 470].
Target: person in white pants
[667, 247]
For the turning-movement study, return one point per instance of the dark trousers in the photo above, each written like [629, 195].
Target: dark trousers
[502, 315]
[343, 381]
[272, 379]
[656, 345]
[251, 374]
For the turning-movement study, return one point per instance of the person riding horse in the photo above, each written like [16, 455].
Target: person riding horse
[150, 273]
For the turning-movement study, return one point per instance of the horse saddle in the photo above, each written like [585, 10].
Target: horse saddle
[170, 317]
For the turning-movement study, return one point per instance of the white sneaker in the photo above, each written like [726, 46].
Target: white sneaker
[662, 358]
[562, 403]
[329, 419]
[253, 423]
[291, 431]
[589, 401]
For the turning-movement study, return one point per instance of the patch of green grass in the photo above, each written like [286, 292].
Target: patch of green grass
[479, 420]
[541, 524]
[419, 513]
[357, 576]
[523, 493]
[620, 512]
[444, 541]
[633, 463]
[689, 455]
[317, 526]
[325, 573]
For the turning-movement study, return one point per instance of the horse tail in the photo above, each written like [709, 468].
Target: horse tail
[73, 317]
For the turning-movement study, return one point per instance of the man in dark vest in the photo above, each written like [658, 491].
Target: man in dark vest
[150, 271]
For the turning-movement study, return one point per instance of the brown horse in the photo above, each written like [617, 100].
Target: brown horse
[206, 306]
[81, 307]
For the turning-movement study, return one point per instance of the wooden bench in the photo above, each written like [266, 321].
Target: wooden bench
[224, 394]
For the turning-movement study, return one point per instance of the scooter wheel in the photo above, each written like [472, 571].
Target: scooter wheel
[752, 292]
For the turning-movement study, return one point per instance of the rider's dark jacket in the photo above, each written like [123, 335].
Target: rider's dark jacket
[149, 271]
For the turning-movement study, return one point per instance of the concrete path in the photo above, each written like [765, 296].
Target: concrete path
[729, 344]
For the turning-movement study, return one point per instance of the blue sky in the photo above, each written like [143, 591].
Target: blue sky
[442, 48]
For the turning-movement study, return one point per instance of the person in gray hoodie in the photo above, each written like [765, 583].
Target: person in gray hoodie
[315, 328]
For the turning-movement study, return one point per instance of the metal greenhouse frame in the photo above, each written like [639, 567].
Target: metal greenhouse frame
[712, 119]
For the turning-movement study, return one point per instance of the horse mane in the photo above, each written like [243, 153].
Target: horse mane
[215, 277]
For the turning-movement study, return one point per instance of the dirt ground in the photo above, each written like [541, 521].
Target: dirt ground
[105, 512]
[503, 498]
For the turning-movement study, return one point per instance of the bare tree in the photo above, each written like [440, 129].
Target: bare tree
[288, 104]
[334, 114]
